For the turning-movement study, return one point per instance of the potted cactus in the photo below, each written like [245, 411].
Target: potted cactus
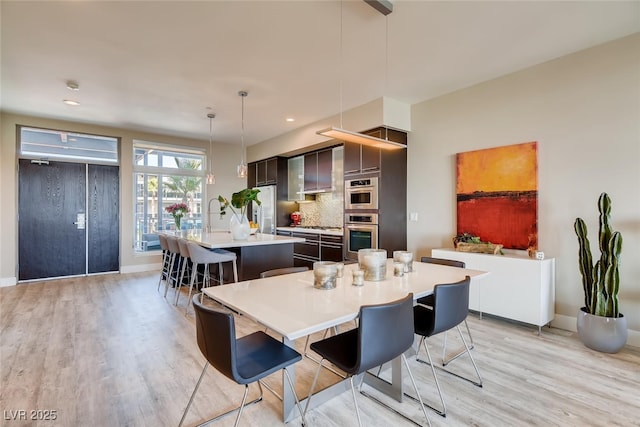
[600, 324]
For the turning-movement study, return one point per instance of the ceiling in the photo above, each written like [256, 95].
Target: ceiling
[161, 66]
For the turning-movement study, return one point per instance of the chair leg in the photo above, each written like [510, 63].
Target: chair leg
[235, 271]
[184, 267]
[195, 390]
[473, 362]
[220, 273]
[163, 271]
[355, 400]
[313, 386]
[415, 387]
[446, 361]
[172, 260]
[295, 396]
[435, 377]
[194, 274]
[244, 401]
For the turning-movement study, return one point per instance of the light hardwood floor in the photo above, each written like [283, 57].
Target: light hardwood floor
[112, 351]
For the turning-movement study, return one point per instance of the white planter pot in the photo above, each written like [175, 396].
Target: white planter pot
[605, 334]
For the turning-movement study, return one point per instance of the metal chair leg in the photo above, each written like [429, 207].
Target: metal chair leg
[195, 390]
[355, 400]
[446, 361]
[435, 377]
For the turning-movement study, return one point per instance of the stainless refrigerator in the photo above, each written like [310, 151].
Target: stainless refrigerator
[265, 214]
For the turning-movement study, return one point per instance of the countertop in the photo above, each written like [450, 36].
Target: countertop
[301, 229]
[222, 239]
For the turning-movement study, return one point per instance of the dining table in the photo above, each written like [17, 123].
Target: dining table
[292, 307]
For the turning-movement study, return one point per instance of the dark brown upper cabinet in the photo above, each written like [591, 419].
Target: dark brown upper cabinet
[360, 158]
[263, 172]
[317, 170]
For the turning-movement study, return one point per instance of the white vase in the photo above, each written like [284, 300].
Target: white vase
[239, 226]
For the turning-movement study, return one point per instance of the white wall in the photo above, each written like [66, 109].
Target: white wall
[584, 111]
[225, 159]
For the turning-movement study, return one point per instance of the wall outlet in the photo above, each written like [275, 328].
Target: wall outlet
[413, 216]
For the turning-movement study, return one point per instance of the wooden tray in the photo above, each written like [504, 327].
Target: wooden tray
[483, 248]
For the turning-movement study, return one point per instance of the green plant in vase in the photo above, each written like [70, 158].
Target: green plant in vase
[238, 205]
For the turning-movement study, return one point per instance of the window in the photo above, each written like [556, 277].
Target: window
[47, 144]
[164, 176]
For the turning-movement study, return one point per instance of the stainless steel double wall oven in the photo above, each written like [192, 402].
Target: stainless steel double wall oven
[360, 215]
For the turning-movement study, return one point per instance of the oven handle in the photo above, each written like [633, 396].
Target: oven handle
[368, 227]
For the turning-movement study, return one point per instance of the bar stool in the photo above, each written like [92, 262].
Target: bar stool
[200, 255]
[174, 263]
[166, 257]
[186, 268]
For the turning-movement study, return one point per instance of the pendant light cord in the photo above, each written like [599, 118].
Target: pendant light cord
[210, 144]
[341, 66]
[242, 131]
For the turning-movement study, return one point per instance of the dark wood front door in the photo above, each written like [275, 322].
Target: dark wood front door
[57, 235]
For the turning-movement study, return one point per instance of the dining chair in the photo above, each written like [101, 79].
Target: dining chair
[385, 331]
[281, 271]
[244, 360]
[450, 308]
[428, 301]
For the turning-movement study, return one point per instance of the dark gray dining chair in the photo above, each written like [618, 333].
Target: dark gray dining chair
[450, 308]
[282, 271]
[244, 360]
[428, 301]
[385, 331]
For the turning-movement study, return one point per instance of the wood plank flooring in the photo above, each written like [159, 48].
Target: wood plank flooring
[112, 351]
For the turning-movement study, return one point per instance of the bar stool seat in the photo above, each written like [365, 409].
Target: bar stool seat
[200, 255]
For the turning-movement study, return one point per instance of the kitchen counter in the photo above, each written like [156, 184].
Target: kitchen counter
[301, 229]
[222, 239]
[253, 257]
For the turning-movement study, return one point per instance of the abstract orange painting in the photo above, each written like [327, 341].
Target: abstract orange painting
[497, 195]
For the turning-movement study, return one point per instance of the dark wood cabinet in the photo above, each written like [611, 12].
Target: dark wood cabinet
[360, 158]
[265, 172]
[325, 167]
[318, 167]
[310, 172]
[331, 248]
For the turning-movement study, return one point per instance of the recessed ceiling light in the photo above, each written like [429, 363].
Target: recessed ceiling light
[290, 119]
[71, 102]
[72, 85]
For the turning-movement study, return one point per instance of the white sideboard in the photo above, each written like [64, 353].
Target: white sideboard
[517, 288]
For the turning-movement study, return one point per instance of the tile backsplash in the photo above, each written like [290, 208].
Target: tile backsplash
[327, 210]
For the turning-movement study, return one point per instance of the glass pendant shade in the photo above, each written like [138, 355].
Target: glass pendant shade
[242, 170]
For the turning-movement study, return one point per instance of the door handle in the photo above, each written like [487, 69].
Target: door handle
[80, 221]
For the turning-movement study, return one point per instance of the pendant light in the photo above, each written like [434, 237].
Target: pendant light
[242, 167]
[356, 137]
[211, 178]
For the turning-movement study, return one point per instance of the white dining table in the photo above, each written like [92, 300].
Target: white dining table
[292, 307]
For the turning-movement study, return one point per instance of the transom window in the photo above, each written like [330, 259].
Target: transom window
[61, 145]
[164, 176]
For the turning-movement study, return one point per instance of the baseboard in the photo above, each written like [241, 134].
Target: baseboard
[568, 323]
[8, 281]
[140, 268]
